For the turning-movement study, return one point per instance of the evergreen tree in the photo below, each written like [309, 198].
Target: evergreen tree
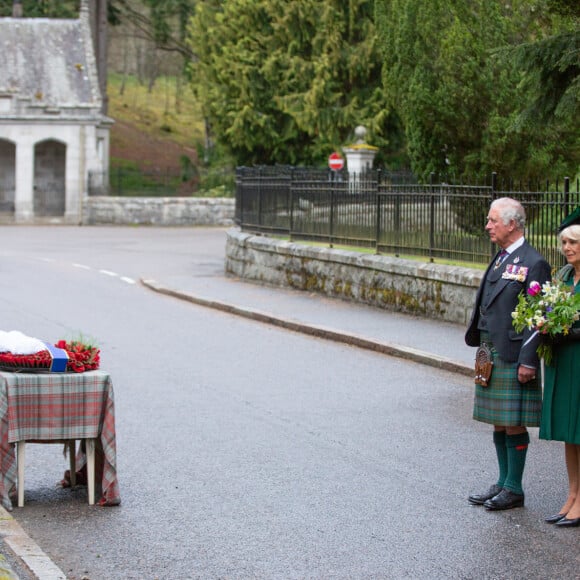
[287, 82]
[552, 65]
[458, 100]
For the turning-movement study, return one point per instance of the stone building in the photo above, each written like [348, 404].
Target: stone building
[53, 126]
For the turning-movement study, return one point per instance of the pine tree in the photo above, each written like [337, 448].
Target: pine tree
[287, 82]
[459, 100]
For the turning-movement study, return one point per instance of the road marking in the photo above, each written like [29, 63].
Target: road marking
[115, 275]
[110, 273]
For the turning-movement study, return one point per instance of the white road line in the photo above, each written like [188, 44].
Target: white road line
[125, 279]
[115, 275]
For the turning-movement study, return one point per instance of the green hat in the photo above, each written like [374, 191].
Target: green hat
[571, 220]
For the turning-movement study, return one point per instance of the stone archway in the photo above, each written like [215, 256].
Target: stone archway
[49, 178]
[7, 177]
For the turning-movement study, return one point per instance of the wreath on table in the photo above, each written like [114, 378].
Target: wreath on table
[81, 355]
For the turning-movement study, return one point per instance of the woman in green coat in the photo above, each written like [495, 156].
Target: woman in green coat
[561, 406]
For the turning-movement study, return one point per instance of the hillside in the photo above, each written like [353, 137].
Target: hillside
[132, 145]
[153, 128]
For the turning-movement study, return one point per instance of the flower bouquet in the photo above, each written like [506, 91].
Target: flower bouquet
[549, 309]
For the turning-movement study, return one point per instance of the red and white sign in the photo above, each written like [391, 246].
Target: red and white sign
[335, 161]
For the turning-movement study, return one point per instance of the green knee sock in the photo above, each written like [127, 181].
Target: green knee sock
[517, 449]
[502, 458]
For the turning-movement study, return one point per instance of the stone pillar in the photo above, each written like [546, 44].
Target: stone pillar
[359, 155]
[17, 9]
[76, 172]
[359, 158]
[24, 193]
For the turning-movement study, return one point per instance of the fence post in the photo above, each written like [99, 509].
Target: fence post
[331, 225]
[431, 215]
[378, 210]
[259, 196]
[240, 195]
[291, 202]
[397, 201]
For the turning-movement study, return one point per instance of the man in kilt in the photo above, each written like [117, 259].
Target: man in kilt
[511, 400]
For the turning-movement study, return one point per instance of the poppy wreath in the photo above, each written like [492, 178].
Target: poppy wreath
[81, 358]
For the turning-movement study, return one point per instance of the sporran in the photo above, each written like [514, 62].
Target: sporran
[483, 365]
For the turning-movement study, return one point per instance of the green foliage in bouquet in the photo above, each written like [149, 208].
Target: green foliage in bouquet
[550, 310]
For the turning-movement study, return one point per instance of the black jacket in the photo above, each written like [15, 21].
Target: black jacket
[508, 343]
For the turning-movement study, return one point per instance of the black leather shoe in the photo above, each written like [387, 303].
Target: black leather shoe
[555, 518]
[505, 500]
[481, 498]
[566, 523]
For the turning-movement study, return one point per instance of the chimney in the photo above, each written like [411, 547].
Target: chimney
[17, 9]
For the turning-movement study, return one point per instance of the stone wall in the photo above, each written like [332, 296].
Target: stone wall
[159, 211]
[424, 289]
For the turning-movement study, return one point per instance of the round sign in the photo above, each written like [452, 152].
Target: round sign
[335, 161]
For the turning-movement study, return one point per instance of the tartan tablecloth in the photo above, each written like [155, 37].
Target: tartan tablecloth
[58, 406]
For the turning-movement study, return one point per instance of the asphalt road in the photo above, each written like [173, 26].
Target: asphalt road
[248, 451]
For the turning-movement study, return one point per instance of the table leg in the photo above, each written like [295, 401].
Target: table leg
[90, 445]
[20, 454]
[71, 461]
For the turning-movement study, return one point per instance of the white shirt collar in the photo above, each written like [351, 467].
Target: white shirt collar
[513, 247]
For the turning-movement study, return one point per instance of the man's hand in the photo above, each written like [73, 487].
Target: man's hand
[525, 374]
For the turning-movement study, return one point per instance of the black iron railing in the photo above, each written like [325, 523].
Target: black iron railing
[386, 212]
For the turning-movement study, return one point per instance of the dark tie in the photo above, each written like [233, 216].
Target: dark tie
[500, 259]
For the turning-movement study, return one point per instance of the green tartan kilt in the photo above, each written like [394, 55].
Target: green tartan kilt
[506, 402]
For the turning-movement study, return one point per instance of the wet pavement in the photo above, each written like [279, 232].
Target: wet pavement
[433, 342]
[203, 281]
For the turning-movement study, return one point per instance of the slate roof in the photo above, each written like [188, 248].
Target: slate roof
[47, 67]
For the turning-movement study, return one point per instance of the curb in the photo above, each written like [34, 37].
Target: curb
[27, 550]
[389, 349]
